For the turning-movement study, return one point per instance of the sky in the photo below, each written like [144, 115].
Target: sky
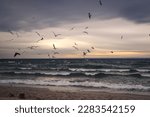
[117, 28]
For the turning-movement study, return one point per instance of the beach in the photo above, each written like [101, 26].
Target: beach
[28, 92]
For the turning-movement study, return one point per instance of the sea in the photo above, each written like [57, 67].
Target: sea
[132, 75]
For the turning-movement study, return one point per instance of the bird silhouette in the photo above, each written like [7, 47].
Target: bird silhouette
[56, 35]
[10, 32]
[85, 32]
[88, 51]
[48, 55]
[32, 47]
[100, 2]
[112, 52]
[92, 47]
[75, 47]
[16, 53]
[38, 34]
[86, 28]
[122, 37]
[72, 28]
[84, 53]
[89, 14]
[40, 39]
[54, 47]
[75, 44]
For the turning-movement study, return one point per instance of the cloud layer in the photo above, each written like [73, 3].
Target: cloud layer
[36, 14]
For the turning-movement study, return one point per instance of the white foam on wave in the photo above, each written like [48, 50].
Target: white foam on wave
[115, 70]
[67, 82]
[25, 68]
[145, 74]
[143, 70]
[43, 72]
[82, 69]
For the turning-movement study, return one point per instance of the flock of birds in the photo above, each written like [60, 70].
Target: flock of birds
[75, 45]
[55, 52]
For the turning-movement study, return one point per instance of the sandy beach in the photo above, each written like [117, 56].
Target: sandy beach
[27, 92]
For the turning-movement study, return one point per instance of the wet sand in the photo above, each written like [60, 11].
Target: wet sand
[28, 92]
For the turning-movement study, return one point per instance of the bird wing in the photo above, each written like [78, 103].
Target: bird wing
[16, 54]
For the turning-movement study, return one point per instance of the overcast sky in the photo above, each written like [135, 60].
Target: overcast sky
[21, 19]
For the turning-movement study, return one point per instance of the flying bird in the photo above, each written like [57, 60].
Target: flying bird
[16, 53]
[122, 37]
[84, 53]
[40, 39]
[92, 47]
[32, 47]
[11, 32]
[48, 55]
[75, 44]
[112, 52]
[38, 34]
[88, 51]
[100, 2]
[89, 14]
[86, 27]
[85, 32]
[72, 28]
[75, 47]
[54, 47]
[56, 35]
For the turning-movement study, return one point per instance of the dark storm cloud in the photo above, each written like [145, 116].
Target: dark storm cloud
[35, 14]
[135, 10]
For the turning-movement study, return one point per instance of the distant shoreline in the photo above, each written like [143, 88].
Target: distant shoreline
[31, 92]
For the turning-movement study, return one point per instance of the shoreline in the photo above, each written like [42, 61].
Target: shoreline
[34, 92]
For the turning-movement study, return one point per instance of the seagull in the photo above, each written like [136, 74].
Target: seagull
[85, 32]
[100, 2]
[88, 51]
[84, 53]
[72, 28]
[122, 37]
[92, 47]
[16, 54]
[54, 47]
[38, 34]
[32, 47]
[40, 39]
[111, 51]
[86, 27]
[75, 44]
[89, 14]
[48, 55]
[75, 47]
[11, 32]
[56, 35]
